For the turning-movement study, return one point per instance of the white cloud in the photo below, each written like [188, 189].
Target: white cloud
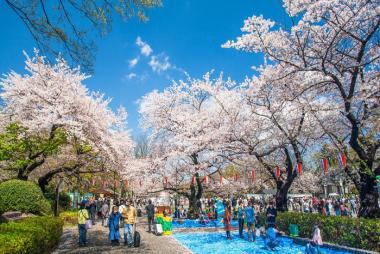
[145, 48]
[131, 75]
[159, 63]
[132, 63]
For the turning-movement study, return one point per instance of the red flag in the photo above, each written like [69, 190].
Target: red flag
[253, 174]
[165, 181]
[126, 183]
[207, 180]
[299, 168]
[278, 172]
[324, 165]
[342, 160]
[221, 180]
[193, 180]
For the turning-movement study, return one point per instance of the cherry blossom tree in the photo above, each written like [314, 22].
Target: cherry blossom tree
[52, 98]
[332, 51]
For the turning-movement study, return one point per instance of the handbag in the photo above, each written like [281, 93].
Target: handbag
[88, 224]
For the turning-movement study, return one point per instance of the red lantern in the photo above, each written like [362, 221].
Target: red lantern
[324, 165]
[278, 172]
[299, 168]
[193, 180]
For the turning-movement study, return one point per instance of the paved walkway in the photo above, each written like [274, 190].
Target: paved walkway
[98, 242]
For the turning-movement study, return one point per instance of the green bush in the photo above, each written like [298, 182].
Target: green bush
[69, 218]
[23, 196]
[31, 235]
[64, 199]
[353, 232]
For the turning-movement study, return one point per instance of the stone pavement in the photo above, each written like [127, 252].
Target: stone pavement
[98, 242]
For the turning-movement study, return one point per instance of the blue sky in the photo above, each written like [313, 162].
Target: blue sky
[136, 58]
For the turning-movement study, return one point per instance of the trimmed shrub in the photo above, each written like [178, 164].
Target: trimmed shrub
[23, 196]
[353, 232]
[70, 218]
[31, 235]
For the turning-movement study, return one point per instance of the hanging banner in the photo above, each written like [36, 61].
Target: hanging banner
[299, 168]
[165, 181]
[324, 165]
[253, 174]
[126, 183]
[278, 172]
[193, 180]
[342, 160]
[221, 180]
[207, 180]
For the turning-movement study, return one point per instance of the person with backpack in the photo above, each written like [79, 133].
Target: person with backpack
[114, 226]
[82, 217]
[129, 215]
[150, 213]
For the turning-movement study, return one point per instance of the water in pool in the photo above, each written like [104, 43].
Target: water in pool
[215, 243]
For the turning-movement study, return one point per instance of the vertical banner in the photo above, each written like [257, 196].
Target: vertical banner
[207, 180]
[193, 180]
[221, 180]
[278, 172]
[253, 174]
[165, 181]
[126, 184]
[299, 168]
[324, 165]
[342, 160]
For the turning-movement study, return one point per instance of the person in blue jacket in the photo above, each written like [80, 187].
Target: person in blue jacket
[114, 226]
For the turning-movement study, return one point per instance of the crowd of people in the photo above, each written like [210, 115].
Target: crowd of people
[121, 215]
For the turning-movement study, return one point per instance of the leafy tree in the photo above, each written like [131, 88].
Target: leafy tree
[66, 25]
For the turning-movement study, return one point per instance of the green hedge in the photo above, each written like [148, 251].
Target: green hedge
[353, 232]
[70, 218]
[31, 235]
[23, 196]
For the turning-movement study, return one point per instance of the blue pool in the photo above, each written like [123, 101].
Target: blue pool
[197, 224]
[214, 243]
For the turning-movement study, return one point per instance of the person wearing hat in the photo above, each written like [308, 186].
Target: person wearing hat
[82, 217]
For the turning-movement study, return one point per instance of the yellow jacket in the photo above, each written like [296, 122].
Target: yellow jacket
[129, 215]
[83, 216]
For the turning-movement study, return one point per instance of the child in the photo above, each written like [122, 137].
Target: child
[114, 225]
[82, 217]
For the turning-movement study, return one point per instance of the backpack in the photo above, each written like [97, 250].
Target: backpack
[136, 240]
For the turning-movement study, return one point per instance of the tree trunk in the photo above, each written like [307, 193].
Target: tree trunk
[196, 193]
[56, 202]
[282, 196]
[369, 198]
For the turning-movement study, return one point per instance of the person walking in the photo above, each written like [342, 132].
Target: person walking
[150, 213]
[104, 211]
[250, 217]
[92, 209]
[82, 217]
[129, 215]
[241, 218]
[114, 226]
[227, 219]
[271, 215]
